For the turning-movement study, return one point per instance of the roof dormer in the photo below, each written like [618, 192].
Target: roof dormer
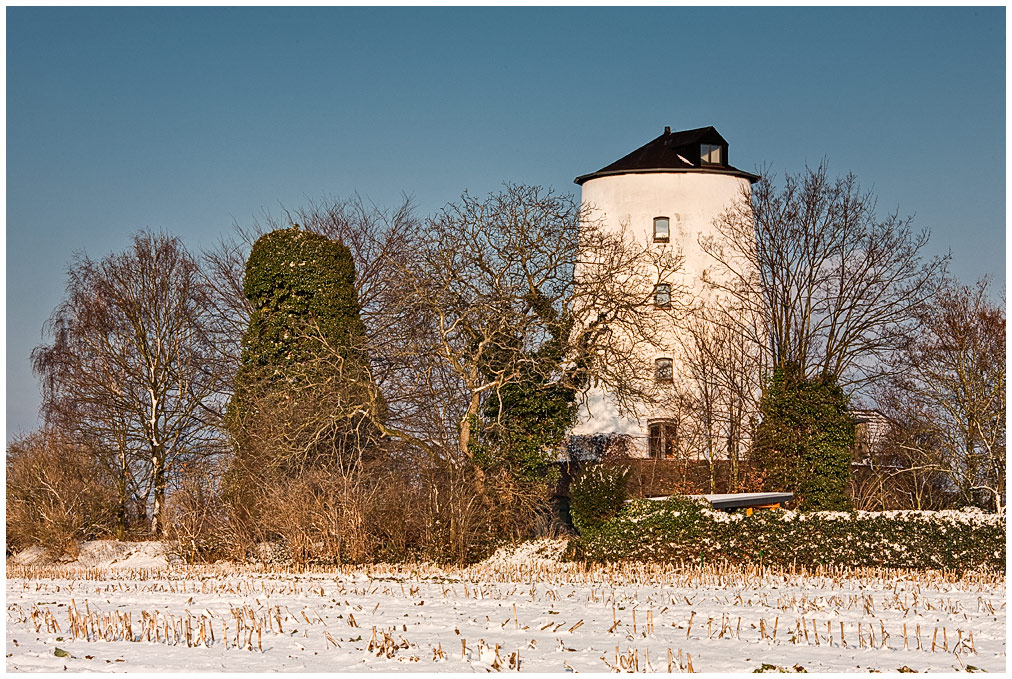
[699, 150]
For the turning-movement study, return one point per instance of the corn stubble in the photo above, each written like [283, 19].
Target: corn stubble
[660, 618]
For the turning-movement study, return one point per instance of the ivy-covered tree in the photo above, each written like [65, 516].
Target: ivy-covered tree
[525, 420]
[303, 377]
[294, 277]
[804, 442]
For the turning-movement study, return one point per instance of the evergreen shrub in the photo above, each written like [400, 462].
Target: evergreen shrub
[597, 494]
[804, 442]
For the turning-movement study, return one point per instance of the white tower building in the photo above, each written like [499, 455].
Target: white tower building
[667, 192]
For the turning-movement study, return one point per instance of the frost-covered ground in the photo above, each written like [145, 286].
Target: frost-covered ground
[521, 609]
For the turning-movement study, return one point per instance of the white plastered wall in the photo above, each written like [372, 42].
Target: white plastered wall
[691, 201]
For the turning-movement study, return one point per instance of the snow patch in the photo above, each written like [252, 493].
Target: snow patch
[545, 552]
[105, 554]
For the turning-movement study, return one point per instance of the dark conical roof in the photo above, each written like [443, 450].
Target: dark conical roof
[673, 152]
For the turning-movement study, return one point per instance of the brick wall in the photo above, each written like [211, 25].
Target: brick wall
[650, 478]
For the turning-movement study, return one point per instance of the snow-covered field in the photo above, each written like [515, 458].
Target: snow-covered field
[521, 609]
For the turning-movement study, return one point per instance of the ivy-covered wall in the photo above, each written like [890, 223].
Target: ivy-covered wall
[678, 529]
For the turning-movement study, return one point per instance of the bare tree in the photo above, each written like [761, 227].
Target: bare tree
[947, 398]
[723, 369]
[699, 353]
[492, 279]
[132, 368]
[221, 274]
[892, 474]
[836, 288]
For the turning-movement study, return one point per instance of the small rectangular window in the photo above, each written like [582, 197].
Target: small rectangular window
[661, 232]
[665, 370]
[709, 154]
[662, 439]
[662, 296]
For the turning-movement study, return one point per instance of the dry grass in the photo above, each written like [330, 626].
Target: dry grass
[675, 574]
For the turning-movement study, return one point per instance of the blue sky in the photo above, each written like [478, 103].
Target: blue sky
[188, 119]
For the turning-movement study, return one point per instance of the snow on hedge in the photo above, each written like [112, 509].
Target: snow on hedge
[684, 529]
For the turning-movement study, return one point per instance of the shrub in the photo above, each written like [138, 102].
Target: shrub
[396, 505]
[323, 515]
[57, 494]
[597, 494]
[804, 442]
[683, 530]
[197, 529]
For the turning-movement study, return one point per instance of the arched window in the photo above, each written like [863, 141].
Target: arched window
[662, 230]
[665, 370]
[662, 438]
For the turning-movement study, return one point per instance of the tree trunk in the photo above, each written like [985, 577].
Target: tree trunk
[465, 425]
[465, 438]
[121, 487]
[158, 491]
[732, 454]
[121, 515]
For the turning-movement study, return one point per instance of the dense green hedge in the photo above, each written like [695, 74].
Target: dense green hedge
[685, 530]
